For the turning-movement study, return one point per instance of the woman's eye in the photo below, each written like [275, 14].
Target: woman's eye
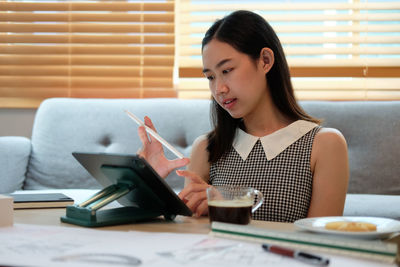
[226, 71]
[210, 78]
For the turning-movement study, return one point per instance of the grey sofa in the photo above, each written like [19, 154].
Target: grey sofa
[65, 125]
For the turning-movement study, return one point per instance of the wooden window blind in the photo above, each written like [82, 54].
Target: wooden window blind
[110, 49]
[336, 50]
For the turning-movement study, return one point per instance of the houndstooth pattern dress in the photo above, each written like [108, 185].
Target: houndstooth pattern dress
[285, 181]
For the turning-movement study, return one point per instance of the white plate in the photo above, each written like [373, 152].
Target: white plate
[384, 226]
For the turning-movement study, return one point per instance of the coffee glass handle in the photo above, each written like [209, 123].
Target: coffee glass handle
[260, 200]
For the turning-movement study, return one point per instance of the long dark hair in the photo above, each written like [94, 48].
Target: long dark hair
[248, 33]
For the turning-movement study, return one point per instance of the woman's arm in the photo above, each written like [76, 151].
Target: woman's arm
[196, 178]
[199, 159]
[329, 164]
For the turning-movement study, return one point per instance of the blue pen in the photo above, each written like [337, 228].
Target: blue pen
[296, 254]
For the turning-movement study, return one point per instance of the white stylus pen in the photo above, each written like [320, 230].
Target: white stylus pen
[155, 135]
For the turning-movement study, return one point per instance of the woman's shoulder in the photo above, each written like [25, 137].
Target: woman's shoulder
[201, 142]
[325, 135]
[329, 146]
[329, 140]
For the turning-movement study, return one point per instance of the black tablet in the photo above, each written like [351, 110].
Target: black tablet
[149, 190]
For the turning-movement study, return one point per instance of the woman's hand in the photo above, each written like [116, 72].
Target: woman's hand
[152, 151]
[194, 193]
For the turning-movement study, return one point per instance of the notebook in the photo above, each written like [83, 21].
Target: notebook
[41, 200]
[369, 249]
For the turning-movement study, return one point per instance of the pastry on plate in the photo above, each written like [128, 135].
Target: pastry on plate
[351, 226]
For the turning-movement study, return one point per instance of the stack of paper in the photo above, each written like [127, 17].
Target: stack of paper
[59, 246]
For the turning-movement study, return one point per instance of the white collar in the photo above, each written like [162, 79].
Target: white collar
[274, 143]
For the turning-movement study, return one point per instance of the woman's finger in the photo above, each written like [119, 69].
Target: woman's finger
[143, 135]
[196, 200]
[149, 123]
[191, 175]
[202, 209]
[191, 189]
[178, 163]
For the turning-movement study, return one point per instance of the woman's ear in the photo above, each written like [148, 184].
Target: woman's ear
[266, 59]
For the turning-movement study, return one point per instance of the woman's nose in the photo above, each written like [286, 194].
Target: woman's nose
[221, 87]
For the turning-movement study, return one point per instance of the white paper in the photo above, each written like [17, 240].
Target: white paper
[72, 246]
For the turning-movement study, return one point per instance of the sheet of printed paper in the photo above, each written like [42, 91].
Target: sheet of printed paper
[223, 252]
[74, 246]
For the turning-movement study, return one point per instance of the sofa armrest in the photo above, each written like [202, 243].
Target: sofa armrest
[14, 157]
[372, 205]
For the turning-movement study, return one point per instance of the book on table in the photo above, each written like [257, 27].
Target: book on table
[41, 200]
[368, 249]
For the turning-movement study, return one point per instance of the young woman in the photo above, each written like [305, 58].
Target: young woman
[261, 137]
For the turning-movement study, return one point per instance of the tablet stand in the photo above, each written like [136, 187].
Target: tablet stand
[145, 204]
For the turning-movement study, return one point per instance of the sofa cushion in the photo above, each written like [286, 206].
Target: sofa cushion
[372, 205]
[372, 131]
[14, 156]
[65, 125]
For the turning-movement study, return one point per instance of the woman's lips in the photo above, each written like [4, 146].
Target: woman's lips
[229, 103]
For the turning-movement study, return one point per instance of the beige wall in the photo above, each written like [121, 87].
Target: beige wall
[16, 122]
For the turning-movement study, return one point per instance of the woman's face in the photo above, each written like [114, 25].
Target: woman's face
[237, 82]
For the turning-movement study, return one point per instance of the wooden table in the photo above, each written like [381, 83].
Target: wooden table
[181, 224]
